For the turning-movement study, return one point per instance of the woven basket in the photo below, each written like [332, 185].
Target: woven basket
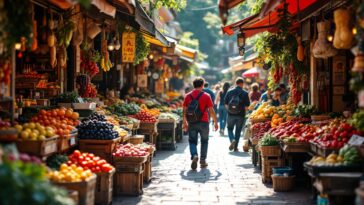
[270, 151]
[137, 139]
[282, 183]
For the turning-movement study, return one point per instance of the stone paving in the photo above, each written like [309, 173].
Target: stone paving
[230, 178]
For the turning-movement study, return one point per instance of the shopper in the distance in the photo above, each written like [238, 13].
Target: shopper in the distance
[196, 106]
[254, 94]
[220, 101]
[236, 103]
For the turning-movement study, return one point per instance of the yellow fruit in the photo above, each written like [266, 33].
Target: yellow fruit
[33, 136]
[63, 167]
[19, 128]
[41, 137]
[24, 135]
[32, 125]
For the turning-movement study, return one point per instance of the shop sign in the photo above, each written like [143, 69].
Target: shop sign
[128, 47]
[159, 86]
[142, 81]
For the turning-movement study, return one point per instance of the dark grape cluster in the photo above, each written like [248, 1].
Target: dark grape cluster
[95, 116]
[94, 129]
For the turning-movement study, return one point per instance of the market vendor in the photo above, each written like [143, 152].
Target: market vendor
[126, 91]
[276, 100]
[266, 96]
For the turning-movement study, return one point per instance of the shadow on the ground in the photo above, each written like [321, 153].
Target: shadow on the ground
[201, 176]
[250, 166]
[239, 154]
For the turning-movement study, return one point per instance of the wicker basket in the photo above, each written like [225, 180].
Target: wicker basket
[270, 151]
[137, 139]
[282, 183]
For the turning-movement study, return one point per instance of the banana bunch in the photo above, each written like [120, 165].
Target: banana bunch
[105, 62]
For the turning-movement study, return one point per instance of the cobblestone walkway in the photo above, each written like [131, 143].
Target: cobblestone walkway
[229, 179]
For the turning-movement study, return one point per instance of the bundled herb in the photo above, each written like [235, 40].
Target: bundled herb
[268, 140]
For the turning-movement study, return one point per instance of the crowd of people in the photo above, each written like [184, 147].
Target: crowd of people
[227, 105]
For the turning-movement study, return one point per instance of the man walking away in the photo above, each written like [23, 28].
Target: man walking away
[196, 106]
[220, 100]
[236, 102]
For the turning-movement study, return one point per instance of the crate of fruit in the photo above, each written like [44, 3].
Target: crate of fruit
[104, 187]
[152, 126]
[325, 151]
[295, 147]
[85, 189]
[313, 147]
[67, 142]
[40, 148]
[101, 148]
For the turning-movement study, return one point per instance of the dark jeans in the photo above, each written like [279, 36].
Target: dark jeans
[237, 122]
[194, 129]
[222, 117]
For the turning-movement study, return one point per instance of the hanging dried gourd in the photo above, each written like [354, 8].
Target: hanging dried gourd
[322, 48]
[300, 49]
[62, 56]
[51, 40]
[105, 62]
[53, 59]
[34, 45]
[343, 38]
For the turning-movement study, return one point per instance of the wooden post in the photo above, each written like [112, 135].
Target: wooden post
[313, 78]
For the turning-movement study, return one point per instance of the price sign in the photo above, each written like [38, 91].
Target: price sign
[356, 140]
[73, 141]
[128, 47]
[142, 81]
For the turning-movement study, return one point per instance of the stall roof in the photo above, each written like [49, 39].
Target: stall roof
[188, 52]
[267, 18]
[224, 6]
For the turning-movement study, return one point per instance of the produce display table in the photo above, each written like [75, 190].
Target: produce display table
[67, 142]
[41, 148]
[167, 135]
[340, 187]
[101, 148]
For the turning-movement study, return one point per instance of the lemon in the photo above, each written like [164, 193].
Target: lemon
[19, 128]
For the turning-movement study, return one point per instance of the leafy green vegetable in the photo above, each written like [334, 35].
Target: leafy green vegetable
[25, 183]
[358, 120]
[268, 140]
[68, 97]
[305, 111]
[55, 161]
[124, 109]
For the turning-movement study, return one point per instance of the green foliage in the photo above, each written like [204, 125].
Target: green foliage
[253, 6]
[25, 183]
[188, 40]
[268, 140]
[142, 48]
[171, 4]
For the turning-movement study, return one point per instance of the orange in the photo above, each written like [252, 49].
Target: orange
[75, 115]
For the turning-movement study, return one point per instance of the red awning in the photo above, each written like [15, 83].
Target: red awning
[267, 18]
[251, 73]
[230, 29]
[224, 6]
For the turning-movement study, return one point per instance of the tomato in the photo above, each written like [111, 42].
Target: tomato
[101, 162]
[76, 153]
[106, 168]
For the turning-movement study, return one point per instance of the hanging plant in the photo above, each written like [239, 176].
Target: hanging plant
[142, 48]
[279, 49]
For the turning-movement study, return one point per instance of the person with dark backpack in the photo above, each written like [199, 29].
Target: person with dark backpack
[196, 106]
[236, 102]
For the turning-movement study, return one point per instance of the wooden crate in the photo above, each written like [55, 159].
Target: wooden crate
[313, 147]
[67, 142]
[73, 195]
[268, 163]
[39, 148]
[295, 147]
[283, 183]
[101, 148]
[323, 151]
[104, 187]
[137, 139]
[85, 189]
[128, 179]
[150, 126]
[270, 151]
[148, 169]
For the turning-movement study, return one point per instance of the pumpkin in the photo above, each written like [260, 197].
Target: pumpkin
[53, 59]
[343, 37]
[300, 50]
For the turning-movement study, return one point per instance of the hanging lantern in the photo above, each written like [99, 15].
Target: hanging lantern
[358, 63]
[241, 40]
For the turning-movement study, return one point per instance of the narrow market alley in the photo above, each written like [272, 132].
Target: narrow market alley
[229, 179]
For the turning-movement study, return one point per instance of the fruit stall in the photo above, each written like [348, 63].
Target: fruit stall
[298, 143]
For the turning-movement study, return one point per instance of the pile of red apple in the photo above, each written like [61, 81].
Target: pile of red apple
[89, 161]
[336, 137]
[302, 132]
[129, 150]
[259, 129]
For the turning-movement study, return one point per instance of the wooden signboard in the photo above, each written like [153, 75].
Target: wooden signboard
[128, 47]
